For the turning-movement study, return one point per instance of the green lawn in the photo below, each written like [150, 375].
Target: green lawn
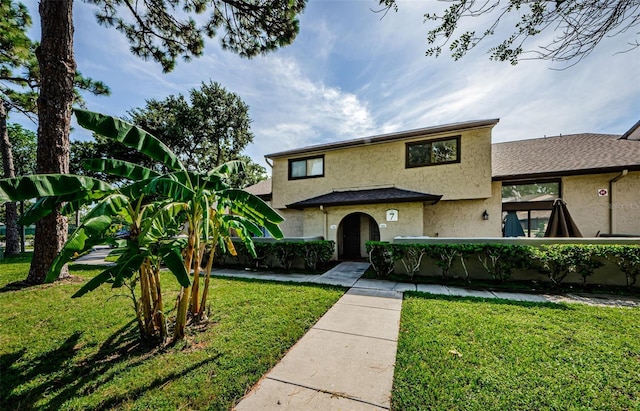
[63, 353]
[473, 354]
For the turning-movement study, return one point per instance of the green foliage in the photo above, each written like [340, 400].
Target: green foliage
[500, 259]
[153, 207]
[317, 252]
[209, 127]
[559, 260]
[409, 255]
[578, 27]
[129, 135]
[168, 31]
[313, 253]
[628, 260]
[23, 148]
[445, 255]
[19, 71]
[381, 258]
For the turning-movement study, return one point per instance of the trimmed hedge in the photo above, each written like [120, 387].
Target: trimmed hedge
[283, 254]
[557, 261]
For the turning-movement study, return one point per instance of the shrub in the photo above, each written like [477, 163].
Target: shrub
[445, 254]
[410, 255]
[500, 259]
[313, 253]
[316, 252]
[559, 260]
[381, 258]
[627, 258]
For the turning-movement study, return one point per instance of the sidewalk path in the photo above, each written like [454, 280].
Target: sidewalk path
[95, 257]
[344, 362]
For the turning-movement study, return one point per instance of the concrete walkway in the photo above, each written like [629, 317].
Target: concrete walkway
[96, 257]
[345, 362]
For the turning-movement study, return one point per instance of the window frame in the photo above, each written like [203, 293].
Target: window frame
[457, 139]
[305, 159]
[529, 206]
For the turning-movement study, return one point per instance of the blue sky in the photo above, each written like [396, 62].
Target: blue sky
[351, 73]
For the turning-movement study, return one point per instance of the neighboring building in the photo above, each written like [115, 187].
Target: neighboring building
[261, 189]
[450, 181]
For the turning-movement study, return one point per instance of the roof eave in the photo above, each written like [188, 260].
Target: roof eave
[431, 200]
[562, 173]
[383, 138]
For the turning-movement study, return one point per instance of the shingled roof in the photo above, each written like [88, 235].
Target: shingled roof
[368, 196]
[564, 155]
[261, 189]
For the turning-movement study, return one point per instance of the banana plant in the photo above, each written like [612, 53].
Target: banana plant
[213, 210]
[152, 203]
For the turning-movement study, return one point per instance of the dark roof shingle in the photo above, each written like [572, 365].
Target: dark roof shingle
[564, 155]
[261, 189]
[367, 196]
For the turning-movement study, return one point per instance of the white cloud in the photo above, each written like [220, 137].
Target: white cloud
[351, 74]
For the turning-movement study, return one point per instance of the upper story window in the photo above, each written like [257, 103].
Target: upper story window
[530, 191]
[306, 167]
[433, 152]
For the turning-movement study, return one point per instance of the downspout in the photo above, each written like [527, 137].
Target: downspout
[266, 160]
[613, 180]
[324, 225]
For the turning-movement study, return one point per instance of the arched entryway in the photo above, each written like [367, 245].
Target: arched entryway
[354, 231]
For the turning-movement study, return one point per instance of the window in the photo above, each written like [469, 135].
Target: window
[528, 192]
[306, 167]
[433, 152]
[531, 202]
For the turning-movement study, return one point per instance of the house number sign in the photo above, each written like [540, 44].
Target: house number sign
[392, 215]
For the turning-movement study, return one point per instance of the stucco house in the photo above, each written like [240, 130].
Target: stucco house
[450, 181]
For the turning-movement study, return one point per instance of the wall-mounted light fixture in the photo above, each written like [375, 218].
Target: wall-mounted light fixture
[485, 215]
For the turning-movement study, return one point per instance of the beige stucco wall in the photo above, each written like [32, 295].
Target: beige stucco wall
[463, 218]
[292, 226]
[383, 165]
[591, 212]
[313, 223]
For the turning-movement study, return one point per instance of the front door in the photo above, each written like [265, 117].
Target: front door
[351, 236]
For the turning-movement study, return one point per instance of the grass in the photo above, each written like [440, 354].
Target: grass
[474, 354]
[71, 354]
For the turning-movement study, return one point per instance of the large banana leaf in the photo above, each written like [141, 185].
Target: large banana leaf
[168, 187]
[129, 135]
[96, 281]
[72, 202]
[245, 203]
[228, 168]
[129, 262]
[112, 205]
[119, 168]
[156, 226]
[243, 227]
[172, 257]
[90, 233]
[47, 185]
[71, 205]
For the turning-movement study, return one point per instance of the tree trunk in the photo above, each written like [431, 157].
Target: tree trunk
[12, 244]
[57, 69]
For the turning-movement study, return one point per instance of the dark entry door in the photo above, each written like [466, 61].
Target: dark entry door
[351, 236]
